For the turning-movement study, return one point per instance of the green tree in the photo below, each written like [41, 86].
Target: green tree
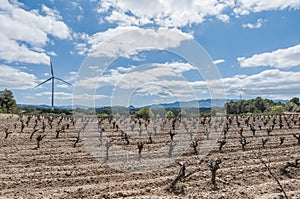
[291, 106]
[278, 109]
[157, 116]
[257, 105]
[7, 102]
[260, 104]
[169, 114]
[213, 112]
[183, 114]
[231, 107]
[295, 100]
[144, 113]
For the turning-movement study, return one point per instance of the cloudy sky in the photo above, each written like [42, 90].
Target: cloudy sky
[142, 52]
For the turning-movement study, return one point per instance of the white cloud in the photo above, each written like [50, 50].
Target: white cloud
[73, 73]
[281, 58]
[180, 13]
[29, 97]
[70, 96]
[77, 5]
[172, 13]
[51, 12]
[126, 41]
[180, 89]
[154, 83]
[223, 18]
[175, 68]
[52, 53]
[80, 35]
[121, 69]
[256, 25]
[79, 9]
[128, 78]
[219, 61]
[164, 80]
[12, 78]
[245, 7]
[23, 33]
[12, 51]
[273, 84]
[62, 86]
[125, 20]
[57, 95]
[79, 17]
[73, 76]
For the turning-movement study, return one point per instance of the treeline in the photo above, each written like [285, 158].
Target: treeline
[41, 110]
[260, 105]
[143, 112]
[257, 106]
[147, 112]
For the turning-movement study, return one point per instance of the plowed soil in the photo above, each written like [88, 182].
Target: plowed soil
[57, 169]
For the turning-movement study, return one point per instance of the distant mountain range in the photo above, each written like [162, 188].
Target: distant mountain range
[203, 103]
[43, 106]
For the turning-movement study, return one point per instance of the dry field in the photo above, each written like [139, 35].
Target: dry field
[71, 161]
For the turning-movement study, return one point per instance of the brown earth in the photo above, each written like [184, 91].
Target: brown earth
[59, 170]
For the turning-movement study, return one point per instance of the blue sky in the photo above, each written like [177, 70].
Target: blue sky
[255, 45]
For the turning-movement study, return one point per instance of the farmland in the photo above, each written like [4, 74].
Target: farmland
[101, 157]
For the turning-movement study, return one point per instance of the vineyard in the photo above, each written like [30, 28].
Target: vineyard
[201, 157]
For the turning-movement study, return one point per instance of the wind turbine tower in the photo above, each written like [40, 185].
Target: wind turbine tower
[52, 78]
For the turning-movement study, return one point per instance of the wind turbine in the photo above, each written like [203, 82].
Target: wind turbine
[52, 78]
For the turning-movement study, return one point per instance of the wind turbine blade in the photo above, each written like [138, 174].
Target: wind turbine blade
[63, 81]
[44, 82]
[52, 73]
